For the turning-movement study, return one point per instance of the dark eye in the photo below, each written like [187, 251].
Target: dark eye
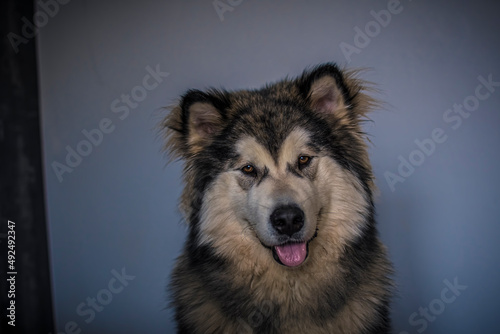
[304, 161]
[248, 170]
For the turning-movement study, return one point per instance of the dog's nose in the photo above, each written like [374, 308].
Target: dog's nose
[287, 219]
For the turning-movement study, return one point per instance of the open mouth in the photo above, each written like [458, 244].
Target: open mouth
[291, 254]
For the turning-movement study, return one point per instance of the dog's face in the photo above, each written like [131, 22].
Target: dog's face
[275, 172]
[275, 197]
[279, 196]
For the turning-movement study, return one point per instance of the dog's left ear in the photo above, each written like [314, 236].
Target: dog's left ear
[325, 90]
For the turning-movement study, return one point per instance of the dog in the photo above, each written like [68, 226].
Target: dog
[278, 200]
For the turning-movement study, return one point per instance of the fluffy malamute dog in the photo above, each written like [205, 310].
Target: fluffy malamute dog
[279, 202]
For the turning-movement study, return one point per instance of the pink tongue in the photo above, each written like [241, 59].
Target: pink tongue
[292, 255]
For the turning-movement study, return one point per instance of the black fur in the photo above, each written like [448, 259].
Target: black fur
[269, 115]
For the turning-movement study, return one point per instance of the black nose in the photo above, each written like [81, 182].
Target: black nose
[287, 219]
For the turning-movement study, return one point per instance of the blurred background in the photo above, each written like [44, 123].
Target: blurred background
[106, 70]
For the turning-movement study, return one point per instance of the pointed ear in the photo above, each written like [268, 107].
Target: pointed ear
[325, 90]
[193, 124]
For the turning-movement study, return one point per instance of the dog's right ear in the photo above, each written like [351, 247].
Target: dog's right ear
[193, 124]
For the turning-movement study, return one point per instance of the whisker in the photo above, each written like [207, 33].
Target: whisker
[265, 207]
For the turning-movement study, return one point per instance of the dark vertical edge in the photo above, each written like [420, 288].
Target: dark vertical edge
[22, 182]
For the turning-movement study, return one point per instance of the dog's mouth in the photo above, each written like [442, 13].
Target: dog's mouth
[291, 254]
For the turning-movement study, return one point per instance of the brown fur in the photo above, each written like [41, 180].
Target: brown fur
[234, 285]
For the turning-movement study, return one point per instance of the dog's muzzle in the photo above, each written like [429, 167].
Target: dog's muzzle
[288, 221]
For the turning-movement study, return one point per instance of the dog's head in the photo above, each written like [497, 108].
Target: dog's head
[278, 172]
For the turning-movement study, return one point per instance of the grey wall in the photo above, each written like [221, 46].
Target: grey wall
[115, 209]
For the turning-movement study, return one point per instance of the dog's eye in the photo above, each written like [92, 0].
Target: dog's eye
[304, 161]
[248, 170]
